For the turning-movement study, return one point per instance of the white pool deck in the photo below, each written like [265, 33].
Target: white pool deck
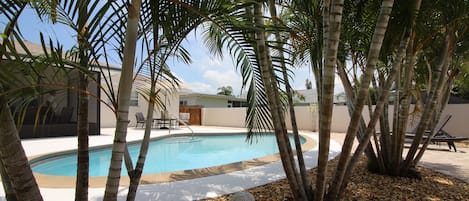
[193, 189]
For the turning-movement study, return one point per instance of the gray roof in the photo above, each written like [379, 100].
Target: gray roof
[191, 95]
[37, 50]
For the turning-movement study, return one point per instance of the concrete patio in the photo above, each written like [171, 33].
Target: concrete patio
[192, 189]
[437, 157]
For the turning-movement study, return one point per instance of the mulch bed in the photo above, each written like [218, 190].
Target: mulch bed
[367, 186]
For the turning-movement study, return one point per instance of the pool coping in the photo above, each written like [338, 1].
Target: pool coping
[49, 181]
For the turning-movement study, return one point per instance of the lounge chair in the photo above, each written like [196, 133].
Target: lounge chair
[140, 119]
[441, 135]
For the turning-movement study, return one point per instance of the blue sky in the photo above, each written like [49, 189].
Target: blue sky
[205, 74]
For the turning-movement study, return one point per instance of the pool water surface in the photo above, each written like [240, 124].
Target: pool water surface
[169, 154]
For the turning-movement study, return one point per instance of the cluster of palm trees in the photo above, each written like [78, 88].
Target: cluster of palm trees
[395, 47]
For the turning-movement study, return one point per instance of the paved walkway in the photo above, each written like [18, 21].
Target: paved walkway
[437, 157]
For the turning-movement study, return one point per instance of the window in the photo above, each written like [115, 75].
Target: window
[237, 104]
[183, 102]
[134, 98]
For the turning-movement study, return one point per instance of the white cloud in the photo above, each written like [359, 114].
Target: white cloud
[212, 63]
[224, 78]
[200, 87]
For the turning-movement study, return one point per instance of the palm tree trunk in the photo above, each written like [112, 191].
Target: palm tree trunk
[350, 97]
[81, 189]
[275, 107]
[288, 90]
[137, 173]
[377, 114]
[404, 107]
[332, 22]
[430, 106]
[10, 194]
[125, 87]
[81, 185]
[372, 59]
[13, 157]
[16, 172]
[401, 118]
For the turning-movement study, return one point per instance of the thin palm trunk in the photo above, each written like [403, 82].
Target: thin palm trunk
[334, 21]
[403, 110]
[443, 100]
[379, 109]
[350, 97]
[275, 107]
[372, 59]
[432, 102]
[137, 173]
[299, 153]
[316, 67]
[125, 87]
[385, 146]
[403, 106]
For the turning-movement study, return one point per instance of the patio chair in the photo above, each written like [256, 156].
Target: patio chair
[140, 119]
[440, 134]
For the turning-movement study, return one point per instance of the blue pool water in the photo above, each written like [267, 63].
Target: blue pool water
[169, 154]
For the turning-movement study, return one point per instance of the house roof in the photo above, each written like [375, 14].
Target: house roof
[214, 96]
[37, 50]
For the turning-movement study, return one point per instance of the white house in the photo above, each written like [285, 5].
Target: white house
[210, 100]
[100, 112]
[138, 102]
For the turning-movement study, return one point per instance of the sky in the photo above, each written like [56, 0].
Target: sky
[205, 74]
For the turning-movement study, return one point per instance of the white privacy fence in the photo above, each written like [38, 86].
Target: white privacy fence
[307, 116]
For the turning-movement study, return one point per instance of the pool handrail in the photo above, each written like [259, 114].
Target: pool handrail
[185, 125]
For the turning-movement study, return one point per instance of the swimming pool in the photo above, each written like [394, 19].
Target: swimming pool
[168, 154]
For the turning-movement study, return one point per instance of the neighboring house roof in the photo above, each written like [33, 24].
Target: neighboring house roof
[310, 96]
[37, 50]
[200, 95]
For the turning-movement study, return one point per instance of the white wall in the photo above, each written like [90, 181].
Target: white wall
[458, 124]
[306, 117]
[232, 117]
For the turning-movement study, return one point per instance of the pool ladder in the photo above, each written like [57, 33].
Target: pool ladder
[185, 125]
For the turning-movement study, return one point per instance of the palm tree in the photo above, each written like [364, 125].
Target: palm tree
[125, 87]
[270, 84]
[162, 41]
[289, 92]
[225, 90]
[332, 36]
[408, 45]
[86, 19]
[13, 158]
[244, 36]
[372, 59]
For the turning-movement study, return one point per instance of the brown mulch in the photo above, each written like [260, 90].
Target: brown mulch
[367, 186]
